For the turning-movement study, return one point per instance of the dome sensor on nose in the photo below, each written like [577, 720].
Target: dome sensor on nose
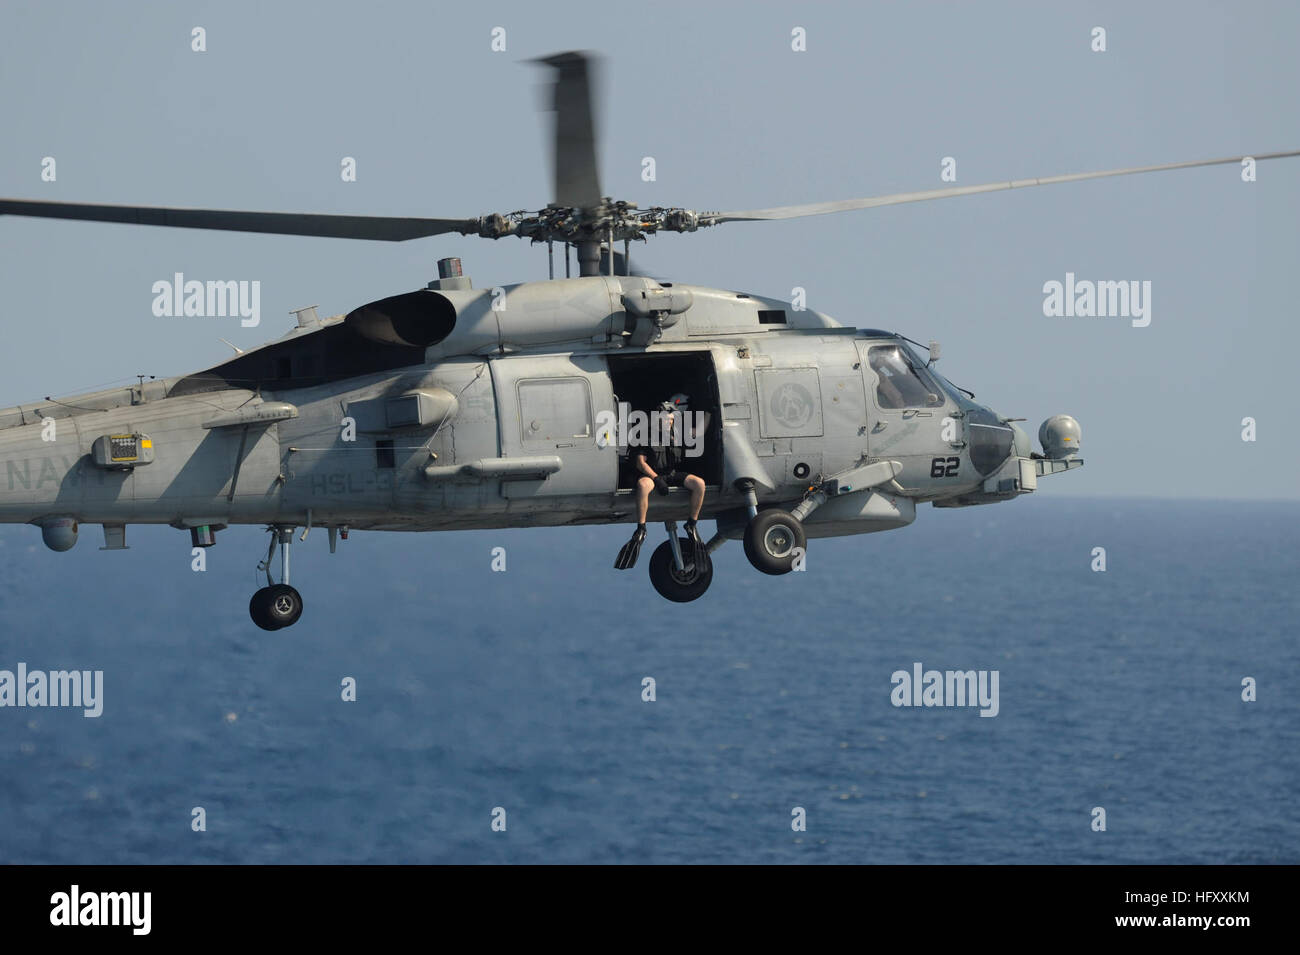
[1059, 435]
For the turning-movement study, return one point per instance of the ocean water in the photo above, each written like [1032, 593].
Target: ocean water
[523, 690]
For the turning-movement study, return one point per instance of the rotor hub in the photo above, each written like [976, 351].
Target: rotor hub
[611, 220]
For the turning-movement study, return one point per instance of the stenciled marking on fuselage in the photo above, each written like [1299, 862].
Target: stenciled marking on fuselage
[346, 482]
[19, 472]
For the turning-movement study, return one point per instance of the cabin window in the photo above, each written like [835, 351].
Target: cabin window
[900, 382]
[555, 412]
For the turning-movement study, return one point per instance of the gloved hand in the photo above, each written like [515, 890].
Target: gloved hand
[661, 485]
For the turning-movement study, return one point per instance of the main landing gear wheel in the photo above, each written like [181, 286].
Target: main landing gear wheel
[276, 606]
[773, 540]
[679, 586]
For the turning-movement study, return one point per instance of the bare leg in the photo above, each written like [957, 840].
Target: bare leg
[695, 484]
[643, 488]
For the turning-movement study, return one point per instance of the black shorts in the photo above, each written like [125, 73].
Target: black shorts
[676, 478]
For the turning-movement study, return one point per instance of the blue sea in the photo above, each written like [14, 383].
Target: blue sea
[522, 690]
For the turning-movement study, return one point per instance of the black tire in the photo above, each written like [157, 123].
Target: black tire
[679, 588]
[773, 539]
[257, 609]
[275, 607]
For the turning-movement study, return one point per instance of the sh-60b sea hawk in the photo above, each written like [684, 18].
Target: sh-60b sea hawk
[451, 407]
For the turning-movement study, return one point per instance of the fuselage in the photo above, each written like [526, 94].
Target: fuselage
[426, 411]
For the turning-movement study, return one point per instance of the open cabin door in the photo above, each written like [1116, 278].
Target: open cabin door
[547, 405]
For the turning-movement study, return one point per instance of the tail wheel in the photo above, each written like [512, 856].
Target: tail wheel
[275, 607]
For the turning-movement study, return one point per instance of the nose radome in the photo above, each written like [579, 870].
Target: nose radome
[1060, 436]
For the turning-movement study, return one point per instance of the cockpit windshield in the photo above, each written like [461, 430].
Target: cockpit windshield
[902, 381]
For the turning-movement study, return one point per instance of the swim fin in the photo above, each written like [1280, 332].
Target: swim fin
[630, 551]
[700, 556]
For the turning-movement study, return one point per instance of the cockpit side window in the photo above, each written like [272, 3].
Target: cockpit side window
[900, 382]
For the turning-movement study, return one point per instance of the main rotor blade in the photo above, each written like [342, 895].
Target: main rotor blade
[897, 198]
[383, 228]
[577, 179]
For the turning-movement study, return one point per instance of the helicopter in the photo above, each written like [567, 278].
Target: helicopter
[452, 407]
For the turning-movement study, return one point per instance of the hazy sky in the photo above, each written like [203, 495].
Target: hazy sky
[441, 125]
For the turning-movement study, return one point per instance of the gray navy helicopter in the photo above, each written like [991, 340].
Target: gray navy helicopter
[450, 407]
